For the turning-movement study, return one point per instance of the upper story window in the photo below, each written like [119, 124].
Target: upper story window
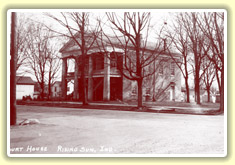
[98, 62]
[148, 91]
[116, 60]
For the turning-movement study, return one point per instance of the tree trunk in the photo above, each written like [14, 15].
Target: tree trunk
[76, 89]
[84, 101]
[198, 94]
[197, 85]
[153, 82]
[218, 79]
[139, 70]
[49, 90]
[186, 77]
[83, 78]
[84, 53]
[83, 83]
[140, 93]
[222, 91]
[49, 86]
[187, 90]
[208, 94]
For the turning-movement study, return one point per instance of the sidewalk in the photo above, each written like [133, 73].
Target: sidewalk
[161, 107]
[182, 108]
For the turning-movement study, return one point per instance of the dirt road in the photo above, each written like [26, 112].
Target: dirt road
[81, 131]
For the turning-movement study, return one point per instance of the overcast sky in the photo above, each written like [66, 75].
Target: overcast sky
[158, 18]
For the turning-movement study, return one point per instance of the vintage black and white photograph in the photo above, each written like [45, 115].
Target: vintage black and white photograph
[117, 82]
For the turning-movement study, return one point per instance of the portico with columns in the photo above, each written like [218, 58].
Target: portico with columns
[100, 75]
[104, 82]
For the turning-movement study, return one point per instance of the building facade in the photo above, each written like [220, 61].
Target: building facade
[105, 81]
[56, 89]
[24, 87]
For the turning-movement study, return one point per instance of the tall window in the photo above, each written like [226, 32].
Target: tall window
[113, 62]
[161, 68]
[98, 62]
[172, 68]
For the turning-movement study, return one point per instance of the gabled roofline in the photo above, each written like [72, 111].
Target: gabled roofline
[24, 79]
[117, 45]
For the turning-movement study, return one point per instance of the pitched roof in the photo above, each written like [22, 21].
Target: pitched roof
[113, 41]
[57, 82]
[24, 80]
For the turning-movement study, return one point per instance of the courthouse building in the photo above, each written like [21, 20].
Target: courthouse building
[105, 81]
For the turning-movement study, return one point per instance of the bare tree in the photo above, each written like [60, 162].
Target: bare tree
[208, 76]
[212, 26]
[180, 41]
[137, 52]
[21, 46]
[78, 29]
[38, 52]
[198, 46]
[53, 64]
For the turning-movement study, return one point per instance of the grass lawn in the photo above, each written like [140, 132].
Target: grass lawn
[157, 107]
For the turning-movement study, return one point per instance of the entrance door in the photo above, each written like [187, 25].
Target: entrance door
[115, 88]
[172, 93]
[98, 88]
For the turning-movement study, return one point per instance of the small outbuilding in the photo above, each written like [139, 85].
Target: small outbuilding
[24, 87]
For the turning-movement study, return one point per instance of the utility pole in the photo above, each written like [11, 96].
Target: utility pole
[13, 70]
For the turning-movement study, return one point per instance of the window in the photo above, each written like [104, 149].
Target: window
[113, 63]
[172, 68]
[55, 89]
[134, 90]
[148, 91]
[161, 68]
[98, 62]
[114, 59]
